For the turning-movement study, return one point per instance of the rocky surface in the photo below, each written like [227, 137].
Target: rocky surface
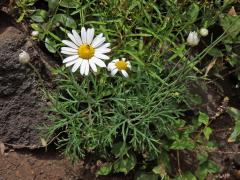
[21, 102]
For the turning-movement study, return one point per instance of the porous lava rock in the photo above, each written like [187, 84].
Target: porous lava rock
[21, 100]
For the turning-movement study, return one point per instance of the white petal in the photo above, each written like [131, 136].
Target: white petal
[111, 66]
[83, 66]
[77, 37]
[105, 45]
[124, 59]
[69, 49]
[76, 66]
[114, 71]
[115, 60]
[125, 74]
[102, 50]
[86, 69]
[90, 35]
[70, 44]
[84, 35]
[98, 62]
[71, 63]
[98, 42]
[129, 66]
[96, 39]
[68, 53]
[93, 66]
[73, 39]
[70, 58]
[101, 56]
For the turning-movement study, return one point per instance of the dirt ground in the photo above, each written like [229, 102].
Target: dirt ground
[227, 156]
[39, 164]
[27, 166]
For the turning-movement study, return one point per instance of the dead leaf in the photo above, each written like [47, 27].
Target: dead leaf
[210, 66]
[44, 142]
[232, 12]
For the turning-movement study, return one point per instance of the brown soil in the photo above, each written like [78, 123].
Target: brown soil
[27, 166]
[45, 165]
[227, 155]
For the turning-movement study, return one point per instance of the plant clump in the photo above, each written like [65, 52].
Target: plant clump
[132, 119]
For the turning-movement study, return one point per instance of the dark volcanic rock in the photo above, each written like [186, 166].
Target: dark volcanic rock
[21, 103]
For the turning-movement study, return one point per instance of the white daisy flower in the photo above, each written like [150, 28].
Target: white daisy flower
[85, 51]
[119, 65]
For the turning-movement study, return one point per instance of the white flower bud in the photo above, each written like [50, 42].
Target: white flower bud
[34, 33]
[203, 32]
[24, 57]
[193, 39]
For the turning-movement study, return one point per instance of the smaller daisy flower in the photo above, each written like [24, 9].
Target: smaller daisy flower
[193, 39]
[119, 65]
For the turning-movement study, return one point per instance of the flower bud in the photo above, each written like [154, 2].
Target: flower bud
[232, 12]
[24, 57]
[34, 33]
[193, 39]
[203, 32]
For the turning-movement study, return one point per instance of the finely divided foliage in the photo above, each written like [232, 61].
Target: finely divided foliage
[98, 111]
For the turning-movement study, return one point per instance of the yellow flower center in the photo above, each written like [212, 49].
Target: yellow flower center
[85, 51]
[121, 65]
